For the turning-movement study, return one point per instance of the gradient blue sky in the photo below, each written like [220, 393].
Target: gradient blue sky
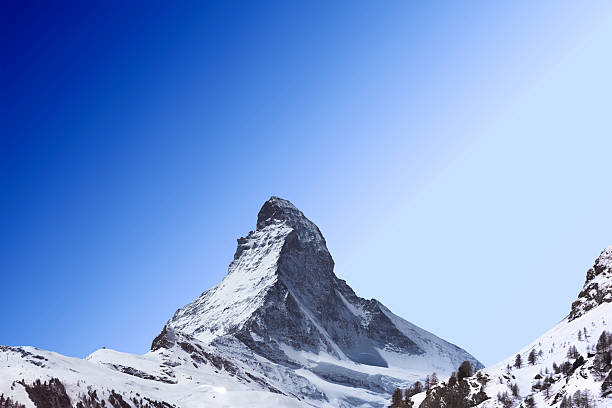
[457, 157]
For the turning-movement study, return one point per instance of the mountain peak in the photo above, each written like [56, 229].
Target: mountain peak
[278, 210]
[604, 260]
[597, 287]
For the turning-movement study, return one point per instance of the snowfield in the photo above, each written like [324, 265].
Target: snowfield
[554, 345]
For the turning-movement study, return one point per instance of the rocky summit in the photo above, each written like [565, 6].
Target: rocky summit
[597, 287]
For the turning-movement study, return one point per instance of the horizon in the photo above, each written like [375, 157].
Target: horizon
[456, 159]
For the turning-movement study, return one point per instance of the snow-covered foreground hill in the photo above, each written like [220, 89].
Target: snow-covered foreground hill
[569, 365]
[280, 330]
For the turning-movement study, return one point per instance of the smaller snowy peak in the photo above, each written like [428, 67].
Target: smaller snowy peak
[603, 263]
[597, 287]
[278, 210]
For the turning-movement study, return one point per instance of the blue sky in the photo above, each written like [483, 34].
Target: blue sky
[456, 157]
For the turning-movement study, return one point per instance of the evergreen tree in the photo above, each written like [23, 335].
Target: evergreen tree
[531, 359]
[603, 344]
[572, 352]
[577, 398]
[566, 367]
[434, 379]
[417, 387]
[518, 361]
[465, 370]
[408, 402]
[427, 384]
[566, 402]
[397, 399]
[515, 390]
[529, 402]
[504, 399]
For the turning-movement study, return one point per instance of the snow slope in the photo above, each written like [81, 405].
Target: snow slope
[591, 314]
[101, 371]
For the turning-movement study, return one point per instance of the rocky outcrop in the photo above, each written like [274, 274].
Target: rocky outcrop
[597, 287]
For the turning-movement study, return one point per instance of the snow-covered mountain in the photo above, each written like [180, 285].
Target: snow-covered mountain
[280, 330]
[567, 367]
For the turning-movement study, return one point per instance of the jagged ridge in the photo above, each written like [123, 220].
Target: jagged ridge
[597, 287]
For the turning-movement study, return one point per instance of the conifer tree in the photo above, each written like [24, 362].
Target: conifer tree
[566, 402]
[408, 401]
[603, 344]
[417, 387]
[518, 361]
[531, 359]
[434, 379]
[397, 399]
[465, 370]
[529, 402]
[515, 390]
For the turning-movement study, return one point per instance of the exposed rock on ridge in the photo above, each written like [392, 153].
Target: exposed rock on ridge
[597, 287]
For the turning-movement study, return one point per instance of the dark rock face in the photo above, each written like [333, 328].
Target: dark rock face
[597, 287]
[165, 339]
[308, 274]
[169, 379]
